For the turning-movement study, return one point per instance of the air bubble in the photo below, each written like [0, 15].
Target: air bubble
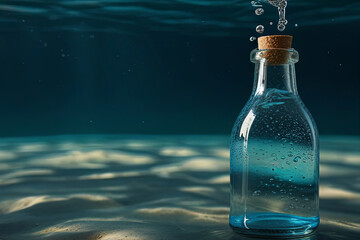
[252, 39]
[296, 25]
[259, 11]
[256, 4]
[281, 27]
[271, 23]
[256, 193]
[260, 29]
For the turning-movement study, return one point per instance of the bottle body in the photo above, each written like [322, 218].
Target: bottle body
[274, 159]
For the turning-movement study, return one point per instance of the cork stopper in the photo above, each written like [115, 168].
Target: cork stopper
[276, 47]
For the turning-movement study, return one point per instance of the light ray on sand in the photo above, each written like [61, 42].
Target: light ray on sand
[334, 193]
[91, 159]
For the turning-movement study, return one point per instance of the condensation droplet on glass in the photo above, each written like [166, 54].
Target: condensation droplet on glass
[296, 159]
[271, 23]
[252, 39]
[259, 11]
[260, 29]
[296, 25]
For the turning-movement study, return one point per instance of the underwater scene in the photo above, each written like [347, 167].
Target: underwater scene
[117, 115]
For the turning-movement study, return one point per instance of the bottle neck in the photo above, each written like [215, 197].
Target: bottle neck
[280, 77]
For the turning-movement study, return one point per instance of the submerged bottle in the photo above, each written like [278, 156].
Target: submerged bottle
[274, 155]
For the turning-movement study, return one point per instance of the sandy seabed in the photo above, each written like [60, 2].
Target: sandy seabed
[113, 187]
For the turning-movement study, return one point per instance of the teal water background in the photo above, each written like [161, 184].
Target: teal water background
[158, 68]
[165, 67]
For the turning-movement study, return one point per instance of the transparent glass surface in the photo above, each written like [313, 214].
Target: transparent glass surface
[274, 157]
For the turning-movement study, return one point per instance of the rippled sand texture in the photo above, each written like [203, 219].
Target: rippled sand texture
[147, 187]
[205, 17]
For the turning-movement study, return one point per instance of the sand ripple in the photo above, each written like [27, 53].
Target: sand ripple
[147, 187]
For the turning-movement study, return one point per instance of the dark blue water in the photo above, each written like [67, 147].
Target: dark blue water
[73, 67]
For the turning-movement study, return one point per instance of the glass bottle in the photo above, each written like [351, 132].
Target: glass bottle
[274, 155]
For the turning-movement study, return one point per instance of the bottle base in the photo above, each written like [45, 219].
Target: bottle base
[274, 225]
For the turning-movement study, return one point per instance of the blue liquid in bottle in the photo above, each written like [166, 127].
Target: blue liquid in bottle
[274, 156]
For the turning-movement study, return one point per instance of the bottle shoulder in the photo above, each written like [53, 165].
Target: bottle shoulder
[275, 102]
[275, 113]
